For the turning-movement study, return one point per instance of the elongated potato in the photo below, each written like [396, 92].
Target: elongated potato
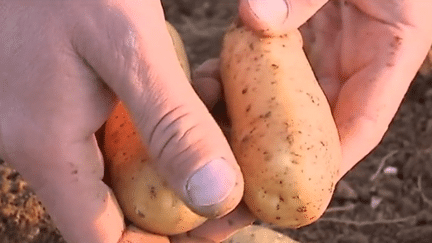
[283, 133]
[143, 195]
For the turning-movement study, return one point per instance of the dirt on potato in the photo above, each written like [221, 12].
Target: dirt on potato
[386, 198]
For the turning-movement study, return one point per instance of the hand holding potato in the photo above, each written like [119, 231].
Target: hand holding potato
[313, 50]
[60, 83]
[64, 67]
[364, 53]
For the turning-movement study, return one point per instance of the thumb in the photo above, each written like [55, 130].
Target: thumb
[135, 57]
[277, 16]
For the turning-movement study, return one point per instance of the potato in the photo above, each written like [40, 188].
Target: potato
[179, 48]
[283, 133]
[143, 195]
[258, 234]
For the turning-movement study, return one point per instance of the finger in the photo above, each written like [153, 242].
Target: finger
[277, 16]
[218, 230]
[321, 43]
[206, 82]
[139, 63]
[135, 235]
[371, 96]
[66, 176]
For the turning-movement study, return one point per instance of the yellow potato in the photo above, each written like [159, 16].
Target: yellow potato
[180, 50]
[143, 195]
[258, 234]
[283, 133]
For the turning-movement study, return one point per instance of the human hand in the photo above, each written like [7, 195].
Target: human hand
[365, 55]
[64, 66]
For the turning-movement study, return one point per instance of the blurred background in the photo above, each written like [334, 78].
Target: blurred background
[386, 198]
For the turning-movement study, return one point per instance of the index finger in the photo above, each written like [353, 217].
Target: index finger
[380, 61]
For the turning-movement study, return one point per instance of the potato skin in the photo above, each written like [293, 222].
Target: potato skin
[179, 48]
[283, 133]
[143, 195]
[258, 234]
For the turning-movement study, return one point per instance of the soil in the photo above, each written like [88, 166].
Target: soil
[386, 198]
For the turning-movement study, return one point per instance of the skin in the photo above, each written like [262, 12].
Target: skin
[60, 82]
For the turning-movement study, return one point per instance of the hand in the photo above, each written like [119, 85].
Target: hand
[64, 66]
[365, 53]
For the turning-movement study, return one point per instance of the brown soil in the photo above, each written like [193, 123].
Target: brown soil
[390, 207]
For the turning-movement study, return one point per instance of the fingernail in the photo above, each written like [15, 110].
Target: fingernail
[273, 12]
[212, 183]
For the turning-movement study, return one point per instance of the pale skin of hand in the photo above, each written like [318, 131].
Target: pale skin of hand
[60, 83]
[64, 65]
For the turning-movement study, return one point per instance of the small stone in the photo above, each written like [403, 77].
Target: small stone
[375, 201]
[390, 170]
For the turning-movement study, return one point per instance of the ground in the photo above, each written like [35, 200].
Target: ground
[386, 198]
